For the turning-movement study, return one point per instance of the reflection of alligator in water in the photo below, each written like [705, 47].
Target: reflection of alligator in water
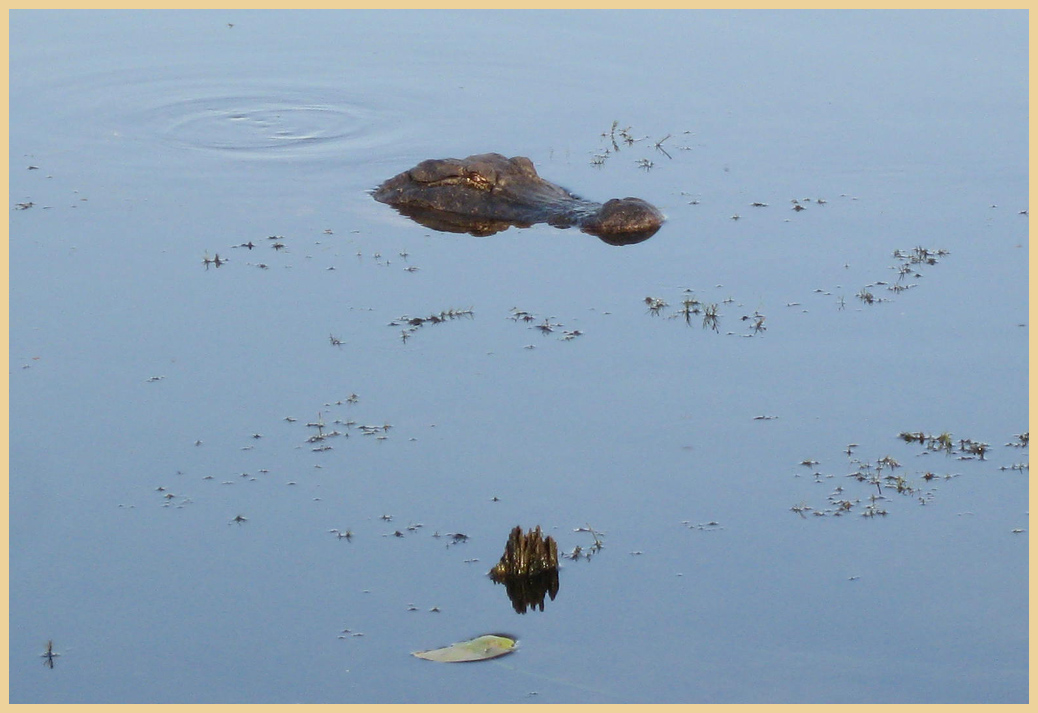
[487, 193]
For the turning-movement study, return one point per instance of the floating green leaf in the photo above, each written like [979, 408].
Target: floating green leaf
[479, 649]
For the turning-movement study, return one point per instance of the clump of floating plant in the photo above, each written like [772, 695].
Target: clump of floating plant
[587, 552]
[919, 256]
[215, 261]
[965, 448]
[656, 305]
[619, 138]
[1021, 440]
[907, 267]
[529, 569]
[412, 324]
[711, 526]
[526, 555]
[942, 442]
[276, 242]
[488, 646]
[49, 655]
[692, 311]
[333, 423]
[545, 326]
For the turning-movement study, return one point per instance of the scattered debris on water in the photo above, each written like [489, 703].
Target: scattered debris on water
[885, 478]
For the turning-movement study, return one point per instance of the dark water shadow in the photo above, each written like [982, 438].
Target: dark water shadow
[528, 592]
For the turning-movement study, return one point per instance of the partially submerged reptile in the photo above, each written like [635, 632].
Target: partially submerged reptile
[487, 193]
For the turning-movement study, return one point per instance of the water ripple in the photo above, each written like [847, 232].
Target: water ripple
[268, 125]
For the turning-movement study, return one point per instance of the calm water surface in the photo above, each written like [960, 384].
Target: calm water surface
[155, 399]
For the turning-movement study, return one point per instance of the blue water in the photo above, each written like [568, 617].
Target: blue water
[150, 392]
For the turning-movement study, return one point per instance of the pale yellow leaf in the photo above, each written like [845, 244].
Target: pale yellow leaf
[478, 649]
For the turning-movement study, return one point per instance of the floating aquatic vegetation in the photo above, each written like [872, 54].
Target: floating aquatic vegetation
[586, 553]
[757, 323]
[214, 261]
[595, 534]
[435, 318]
[919, 256]
[453, 538]
[966, 449]
[972, 448]
[867, 297]
[942, 442]
[655, 305]
[708, 314]
[1021, 440]
[321, 432]
[545, 326]
[412, 324]
[712, 526]
[617, 138]
[481, 648]
[521, 315]
[884, 478]
[624, 136]
[909, 262]
[49, 655]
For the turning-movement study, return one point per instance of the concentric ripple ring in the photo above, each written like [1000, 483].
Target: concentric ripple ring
[266, 126]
